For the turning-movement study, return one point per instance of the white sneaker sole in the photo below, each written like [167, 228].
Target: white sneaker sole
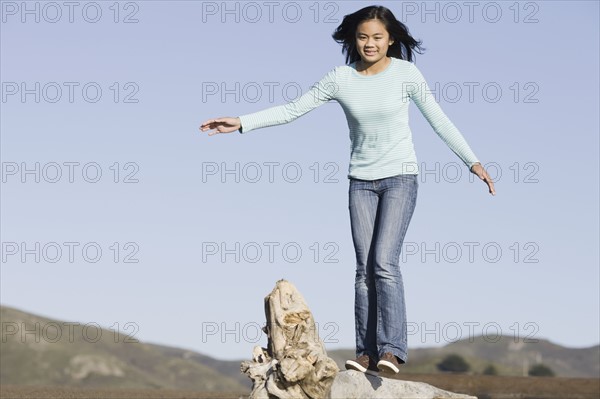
[352, 365]
[384, 365]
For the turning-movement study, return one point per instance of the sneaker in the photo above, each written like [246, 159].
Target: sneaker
[364, 364]
[388, 362]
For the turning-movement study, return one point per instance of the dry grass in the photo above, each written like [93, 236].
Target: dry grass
[42, 392]
[501, 387]
[484, 387]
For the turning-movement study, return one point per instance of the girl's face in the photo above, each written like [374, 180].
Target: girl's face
[372, 41]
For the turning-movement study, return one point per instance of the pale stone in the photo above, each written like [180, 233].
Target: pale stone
[356, 385]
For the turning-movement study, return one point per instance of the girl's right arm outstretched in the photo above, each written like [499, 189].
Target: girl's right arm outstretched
[320, 93]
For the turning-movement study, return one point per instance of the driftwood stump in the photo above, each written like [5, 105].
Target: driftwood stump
[295, 363]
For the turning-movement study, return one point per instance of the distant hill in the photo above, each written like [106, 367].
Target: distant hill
[73, 361]
[510, 358]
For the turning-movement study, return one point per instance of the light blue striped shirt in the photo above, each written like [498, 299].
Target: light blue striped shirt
[376, 108]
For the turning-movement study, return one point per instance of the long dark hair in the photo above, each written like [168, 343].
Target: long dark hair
[404, 44]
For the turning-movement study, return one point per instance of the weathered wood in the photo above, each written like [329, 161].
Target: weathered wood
[295, 363]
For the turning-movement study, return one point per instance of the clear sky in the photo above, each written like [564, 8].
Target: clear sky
[116, 209]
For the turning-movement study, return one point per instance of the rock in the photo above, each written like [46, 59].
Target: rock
[295, 365]
[356, 385]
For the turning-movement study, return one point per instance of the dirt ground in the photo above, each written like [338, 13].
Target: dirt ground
[501, 387]
[23, 392]
[484, 387]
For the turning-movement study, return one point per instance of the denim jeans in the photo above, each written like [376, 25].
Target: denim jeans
[380, 211]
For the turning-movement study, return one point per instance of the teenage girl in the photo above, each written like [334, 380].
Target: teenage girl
[374, 89]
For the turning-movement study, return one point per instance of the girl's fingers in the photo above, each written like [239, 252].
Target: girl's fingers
[491, 186]
[212, 124]
[486, 178]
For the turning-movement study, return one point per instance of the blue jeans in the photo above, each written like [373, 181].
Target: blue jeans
[380, 211]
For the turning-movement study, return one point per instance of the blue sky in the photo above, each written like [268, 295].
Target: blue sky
[137, 217]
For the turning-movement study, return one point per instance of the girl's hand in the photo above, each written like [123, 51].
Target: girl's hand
[222, 125]
[483, 175]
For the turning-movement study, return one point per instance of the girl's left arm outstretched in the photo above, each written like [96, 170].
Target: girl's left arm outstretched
[418, 90]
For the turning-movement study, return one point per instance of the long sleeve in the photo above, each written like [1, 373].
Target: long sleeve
[419, 92]
[319, 94]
